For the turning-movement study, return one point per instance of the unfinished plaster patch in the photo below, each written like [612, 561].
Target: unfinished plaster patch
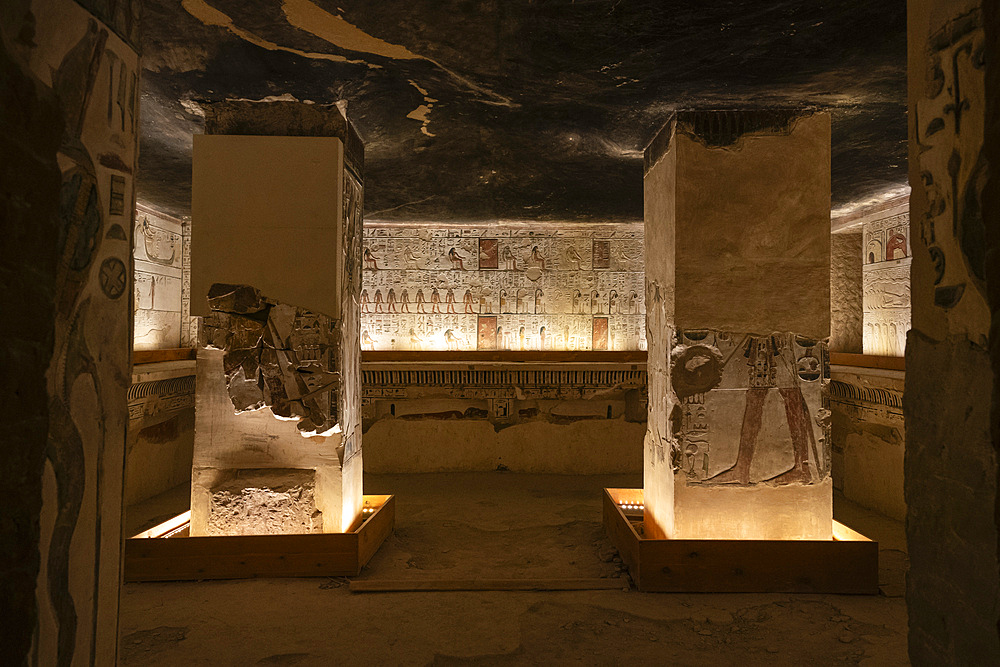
[311, 18]
[265, 502]
[211, 16]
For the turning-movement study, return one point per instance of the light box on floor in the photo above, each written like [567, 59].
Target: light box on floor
[166, 553]
[846, 563]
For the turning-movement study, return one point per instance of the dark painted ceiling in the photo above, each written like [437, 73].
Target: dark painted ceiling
[523, 109]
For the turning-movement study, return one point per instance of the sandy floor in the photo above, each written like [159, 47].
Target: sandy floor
[504, 525]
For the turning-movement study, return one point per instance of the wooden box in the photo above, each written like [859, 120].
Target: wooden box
[848, 563]
[166, 553]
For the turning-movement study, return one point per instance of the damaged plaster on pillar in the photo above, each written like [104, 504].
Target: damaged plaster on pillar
[275, 355]
[277, 184]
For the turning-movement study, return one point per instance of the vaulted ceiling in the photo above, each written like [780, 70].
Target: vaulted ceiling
[478, 110]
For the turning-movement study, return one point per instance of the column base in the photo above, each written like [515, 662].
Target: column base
[847, 563]
[167, 553]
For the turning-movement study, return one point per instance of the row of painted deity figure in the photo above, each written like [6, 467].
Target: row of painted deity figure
[390, 303]
[457, 260]
[504, 339]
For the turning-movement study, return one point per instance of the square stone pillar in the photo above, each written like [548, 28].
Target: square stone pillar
[738, 313]
[276, 271]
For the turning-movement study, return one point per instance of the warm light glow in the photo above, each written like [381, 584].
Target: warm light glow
[167, 528]
[324, 434]
[842, 533]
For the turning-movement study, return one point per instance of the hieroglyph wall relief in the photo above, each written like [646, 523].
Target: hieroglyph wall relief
[159, 276]
[886, 285]
[503, 287]
[949, 125]
[735, 390]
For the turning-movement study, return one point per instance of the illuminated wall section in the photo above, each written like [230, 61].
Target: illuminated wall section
[503, 286]
[886, 280]
[160, 306]
[738, 275]
[276, 269]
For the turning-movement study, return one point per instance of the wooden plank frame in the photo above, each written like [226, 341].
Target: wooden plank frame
[249, 556]
[846, 564]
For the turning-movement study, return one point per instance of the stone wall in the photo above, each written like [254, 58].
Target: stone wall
[951, 438]
[160, 429]
[887, 258]
[69, 73]
[846, 312]
[568, 418]
[161, 404]
[159, 277]
[866, 406]
[505, 286]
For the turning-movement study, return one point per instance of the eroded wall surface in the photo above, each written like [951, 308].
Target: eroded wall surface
[846, 288]
[503, 287]
[567, 418]
[866, 406]
[56, 51]
[951, 459]
[887, 258]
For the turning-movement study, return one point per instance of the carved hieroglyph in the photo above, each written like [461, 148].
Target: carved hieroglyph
[503, 287]
[886, 285]
[736, 390]
[159, 274]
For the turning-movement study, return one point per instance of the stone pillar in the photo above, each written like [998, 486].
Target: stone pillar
[68, 135]
[738, 298]
[950, 466]
[276, 271]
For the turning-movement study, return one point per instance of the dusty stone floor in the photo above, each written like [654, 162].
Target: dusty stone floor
[504, 525]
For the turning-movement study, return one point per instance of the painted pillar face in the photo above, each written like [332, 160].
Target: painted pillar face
[737, 443]
[277, 278]
[88, 60]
